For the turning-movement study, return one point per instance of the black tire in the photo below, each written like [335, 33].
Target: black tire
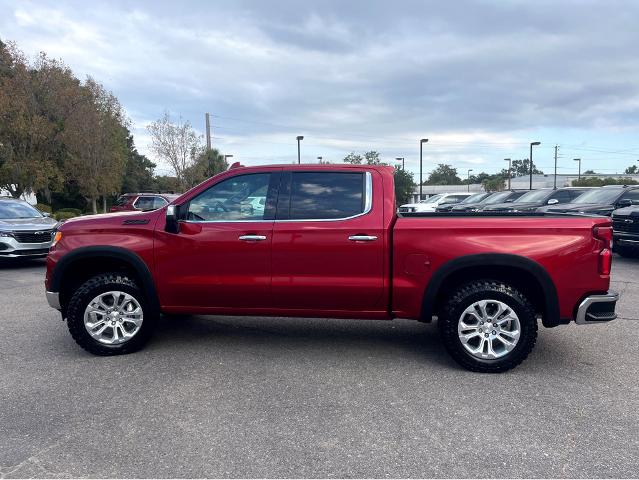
[473, 292]
[86, 293]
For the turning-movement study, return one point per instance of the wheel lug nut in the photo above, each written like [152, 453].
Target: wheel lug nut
[494, 332]
[486, 335]
[481, 323]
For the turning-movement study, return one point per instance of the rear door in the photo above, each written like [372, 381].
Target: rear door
[328, 243]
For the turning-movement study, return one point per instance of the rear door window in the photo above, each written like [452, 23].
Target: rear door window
[144, 203]
[324, 196]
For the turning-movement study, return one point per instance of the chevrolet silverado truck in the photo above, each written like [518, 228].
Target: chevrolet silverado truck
[329, 243]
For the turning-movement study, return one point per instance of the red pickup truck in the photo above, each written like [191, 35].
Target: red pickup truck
[326, 241]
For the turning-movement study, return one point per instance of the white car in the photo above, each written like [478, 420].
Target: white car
[431, 203]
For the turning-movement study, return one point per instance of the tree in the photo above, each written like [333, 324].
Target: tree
[589, 172]
[521, 168]
[600, 182]
[404, 185]
[632, 169]
[208, 163]
[443, 175]
[176, 143]
[372, 158]
[494, 183]
[354, 159]
[30, 120]
[138, 176]
[95, 135]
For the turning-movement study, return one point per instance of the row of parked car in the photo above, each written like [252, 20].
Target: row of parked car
[621, 202]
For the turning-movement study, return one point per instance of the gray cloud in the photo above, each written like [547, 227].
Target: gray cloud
[357, 73]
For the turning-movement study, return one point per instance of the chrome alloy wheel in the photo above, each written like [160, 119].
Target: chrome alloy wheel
[113, 317]
[489, 329]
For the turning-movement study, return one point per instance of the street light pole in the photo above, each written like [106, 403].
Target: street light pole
[578, 174]
[509, 168]
[555, 181]
[531, 161]
[299, 138]
[468, 179]
[402, 159]
[421, 157]
[320, 159]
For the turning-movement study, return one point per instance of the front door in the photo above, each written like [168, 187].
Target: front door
[221, 257]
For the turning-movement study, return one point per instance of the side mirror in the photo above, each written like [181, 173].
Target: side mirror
[172, 225]
[553, 201]
[626, 202]
[45, 214]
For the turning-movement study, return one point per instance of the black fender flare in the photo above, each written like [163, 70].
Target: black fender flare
[551, 314]
[106, 251]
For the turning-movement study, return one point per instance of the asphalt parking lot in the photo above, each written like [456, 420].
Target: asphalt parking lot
[257, 397]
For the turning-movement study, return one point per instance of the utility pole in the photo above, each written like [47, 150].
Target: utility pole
[532, 144]
[555, 181]
[208, 132]
[299, 139]
[579, 174]
[421, 144]
[509, 170]
[468, 180]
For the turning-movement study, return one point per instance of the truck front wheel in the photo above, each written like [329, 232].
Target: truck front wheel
[109, 315]
[488, 326]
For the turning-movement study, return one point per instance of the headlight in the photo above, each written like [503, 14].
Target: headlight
[6, 234]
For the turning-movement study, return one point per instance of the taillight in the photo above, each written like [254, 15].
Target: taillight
[605, 262]
[604, 234]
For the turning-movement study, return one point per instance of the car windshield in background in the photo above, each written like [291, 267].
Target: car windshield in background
[476, 197]
[432, 199]
[122, 200]
[534, 196]
[498, 198]
[13, 210]
[599, 195]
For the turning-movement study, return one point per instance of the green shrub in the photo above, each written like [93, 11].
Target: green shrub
[76, 211]
[60, 215]
[43, 207]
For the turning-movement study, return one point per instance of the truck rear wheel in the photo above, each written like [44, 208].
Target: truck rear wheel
[488, 326]
[109, 315]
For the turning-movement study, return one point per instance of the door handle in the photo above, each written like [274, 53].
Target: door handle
[362, 238]
[252, 238]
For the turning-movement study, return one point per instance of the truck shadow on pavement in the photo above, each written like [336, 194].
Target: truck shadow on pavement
[21, 263]
[278, 336]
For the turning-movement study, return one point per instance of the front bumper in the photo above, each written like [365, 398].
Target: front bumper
[12, 248]
[597, 309]
[53, 298]
[626, 239]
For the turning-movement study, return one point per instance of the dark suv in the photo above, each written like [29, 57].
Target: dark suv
[625, 226]
[142, 201]
[532, 200]
[599, 201]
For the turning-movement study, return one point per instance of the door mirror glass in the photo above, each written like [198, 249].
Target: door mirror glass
[624, 202]
[172, 224]
[553, 201]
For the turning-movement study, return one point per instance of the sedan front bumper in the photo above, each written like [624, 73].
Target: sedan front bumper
[12, 248]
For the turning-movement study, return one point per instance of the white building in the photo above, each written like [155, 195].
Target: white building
[563, 180]
[27, 197]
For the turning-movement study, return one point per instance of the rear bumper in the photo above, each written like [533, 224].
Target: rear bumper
[597, 309]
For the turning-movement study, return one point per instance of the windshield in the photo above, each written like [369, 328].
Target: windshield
[476, 197]
[599, 195]
[13, 210]
[534, 196]
[432, 199]
[498, 198]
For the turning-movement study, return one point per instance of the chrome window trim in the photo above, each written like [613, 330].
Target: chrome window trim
[368, 206]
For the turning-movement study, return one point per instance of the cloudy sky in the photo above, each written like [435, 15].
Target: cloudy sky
[479, 79]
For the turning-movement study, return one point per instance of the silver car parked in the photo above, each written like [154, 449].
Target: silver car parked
[25, 232]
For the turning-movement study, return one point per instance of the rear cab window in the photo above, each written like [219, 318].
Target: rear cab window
[324, 195]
